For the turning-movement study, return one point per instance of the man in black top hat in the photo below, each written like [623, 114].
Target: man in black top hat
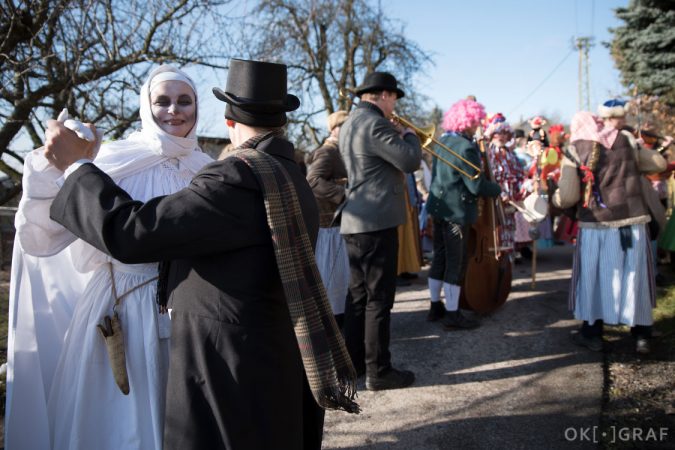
[236, 377]
[377, 153]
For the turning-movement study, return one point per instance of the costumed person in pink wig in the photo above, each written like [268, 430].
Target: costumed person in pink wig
[452, 203]
[612, 280]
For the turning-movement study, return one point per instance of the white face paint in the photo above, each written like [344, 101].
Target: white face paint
[174, 107]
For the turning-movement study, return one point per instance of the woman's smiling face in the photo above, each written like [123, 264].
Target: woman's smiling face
[174, 107]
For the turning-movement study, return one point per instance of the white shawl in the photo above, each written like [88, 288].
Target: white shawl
[38, 234]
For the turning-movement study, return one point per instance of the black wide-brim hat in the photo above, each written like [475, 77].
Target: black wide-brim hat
[379, 81]
[256, 93]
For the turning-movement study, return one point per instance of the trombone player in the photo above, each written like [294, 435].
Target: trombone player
[452, 203]
[377, 152]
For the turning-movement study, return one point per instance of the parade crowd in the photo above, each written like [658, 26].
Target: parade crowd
[160, 299]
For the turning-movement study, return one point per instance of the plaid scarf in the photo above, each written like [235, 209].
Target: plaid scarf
[329, 369]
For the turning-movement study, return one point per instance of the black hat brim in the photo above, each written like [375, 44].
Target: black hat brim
[363, 89]
[290, 103]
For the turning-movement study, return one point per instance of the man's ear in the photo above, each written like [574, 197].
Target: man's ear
[230, 123]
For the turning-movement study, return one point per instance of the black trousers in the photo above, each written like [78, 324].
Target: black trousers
[373, 263]
[450, 252]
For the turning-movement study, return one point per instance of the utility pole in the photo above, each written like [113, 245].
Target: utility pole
[583, 44]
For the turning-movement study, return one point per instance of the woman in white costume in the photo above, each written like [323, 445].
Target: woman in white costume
[85, 408]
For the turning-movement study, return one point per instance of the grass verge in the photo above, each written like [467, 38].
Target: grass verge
[639, 392]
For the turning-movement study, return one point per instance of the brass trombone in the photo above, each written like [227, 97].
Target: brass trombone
[426, 136]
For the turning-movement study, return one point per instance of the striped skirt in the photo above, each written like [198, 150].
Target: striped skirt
[609, 283]
[333, 264]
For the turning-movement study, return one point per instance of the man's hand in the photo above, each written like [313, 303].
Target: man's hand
[399, 128]
[63, 147]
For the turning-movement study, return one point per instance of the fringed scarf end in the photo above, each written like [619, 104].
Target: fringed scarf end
[342, 398]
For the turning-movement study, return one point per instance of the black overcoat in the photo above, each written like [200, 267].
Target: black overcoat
[236, 380]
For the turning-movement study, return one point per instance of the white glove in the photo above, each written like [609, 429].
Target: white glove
[79, 129]
[76, 126]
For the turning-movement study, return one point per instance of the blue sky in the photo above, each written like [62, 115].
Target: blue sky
[501, 51]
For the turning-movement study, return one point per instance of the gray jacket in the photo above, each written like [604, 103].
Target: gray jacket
[376, 158]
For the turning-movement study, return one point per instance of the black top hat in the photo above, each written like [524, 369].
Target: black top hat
[256, 93]
[379, 81]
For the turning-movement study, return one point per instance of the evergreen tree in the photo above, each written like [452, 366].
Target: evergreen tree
[644, 48]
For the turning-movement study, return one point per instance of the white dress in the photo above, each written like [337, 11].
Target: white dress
[84, 403]
[42, 297]
[75, 403]
[333, 264]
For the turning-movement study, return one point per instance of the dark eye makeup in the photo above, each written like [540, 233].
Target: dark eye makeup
[164, 100]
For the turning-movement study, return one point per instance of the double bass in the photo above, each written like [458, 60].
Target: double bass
[487, 282]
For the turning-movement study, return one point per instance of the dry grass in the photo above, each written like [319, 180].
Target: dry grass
[639, 390]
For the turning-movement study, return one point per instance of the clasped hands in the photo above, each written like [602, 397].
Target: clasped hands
[63, 146]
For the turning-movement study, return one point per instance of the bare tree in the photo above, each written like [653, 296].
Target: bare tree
[91, 56]
[329, 46]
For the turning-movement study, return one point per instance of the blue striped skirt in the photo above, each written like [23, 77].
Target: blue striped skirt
[609, 283]
[333, 264]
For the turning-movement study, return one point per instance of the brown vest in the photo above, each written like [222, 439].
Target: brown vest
[325, 168]
[617, 179]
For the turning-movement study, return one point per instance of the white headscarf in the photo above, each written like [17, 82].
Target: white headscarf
[151, 145]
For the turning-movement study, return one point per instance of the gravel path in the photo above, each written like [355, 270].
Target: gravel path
[516, 382]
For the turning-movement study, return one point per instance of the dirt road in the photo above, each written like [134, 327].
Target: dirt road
[516, 382]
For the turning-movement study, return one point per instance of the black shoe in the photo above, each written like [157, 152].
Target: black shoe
[642, 346]
[661, 281]
[455, 320]
[393, 379]
[593, 343]
[408, 276]
[436, 311]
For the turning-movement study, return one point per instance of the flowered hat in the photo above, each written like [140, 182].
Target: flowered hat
[537, 122]
[497, 124]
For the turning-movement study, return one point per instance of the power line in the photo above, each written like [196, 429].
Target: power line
[542, 82]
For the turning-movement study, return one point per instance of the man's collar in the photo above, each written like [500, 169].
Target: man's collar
[278, 146]
[371, 106]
